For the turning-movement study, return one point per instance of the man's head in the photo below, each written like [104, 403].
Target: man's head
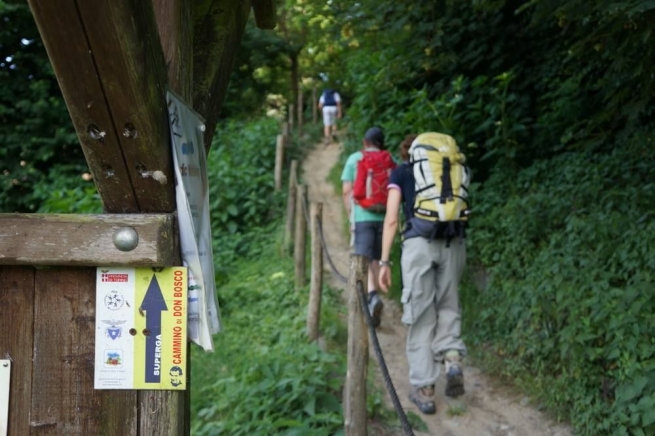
[374, 137]
[176, 376]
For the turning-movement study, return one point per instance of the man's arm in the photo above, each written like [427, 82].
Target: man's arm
[347, 189]
[388, 234]
[390, 222]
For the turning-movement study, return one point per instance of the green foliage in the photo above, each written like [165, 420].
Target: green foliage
[264, 377]
[566, 243]
[521, 80]
[241, 186]
[243, 203]
[39, 145]
[62, 193]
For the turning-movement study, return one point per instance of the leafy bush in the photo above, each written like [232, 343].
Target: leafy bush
[241, 185]
[38, 143]
[264, 377]
[566, 243]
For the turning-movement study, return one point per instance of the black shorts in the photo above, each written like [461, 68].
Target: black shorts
[368, 239]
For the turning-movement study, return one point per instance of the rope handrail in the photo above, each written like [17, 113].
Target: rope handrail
[336, 272]
[407, 428]
[383, 365]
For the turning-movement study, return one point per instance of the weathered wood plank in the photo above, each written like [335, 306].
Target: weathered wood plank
[265, 14]
[117, 46]
[300, 236]
[63, 398]
[218, 28]
[86, 240]
[162, 413]
[128, 55]
[175, 24]
[316, 278]
[65, 41]
[291, 207]
[279, 161]
[16, 320]
[354, 404]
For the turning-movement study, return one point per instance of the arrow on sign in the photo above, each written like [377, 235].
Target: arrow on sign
[153, 304]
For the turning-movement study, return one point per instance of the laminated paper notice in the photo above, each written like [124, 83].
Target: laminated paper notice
[141, 328]
[192, 196]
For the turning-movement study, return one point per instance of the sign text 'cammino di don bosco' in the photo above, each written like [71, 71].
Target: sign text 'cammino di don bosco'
[141, 328]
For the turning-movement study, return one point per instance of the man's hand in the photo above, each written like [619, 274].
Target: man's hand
[385, 278]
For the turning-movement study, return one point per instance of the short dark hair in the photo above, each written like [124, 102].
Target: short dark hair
[375, 136]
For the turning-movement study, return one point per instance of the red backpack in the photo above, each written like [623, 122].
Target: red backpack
[372, 180]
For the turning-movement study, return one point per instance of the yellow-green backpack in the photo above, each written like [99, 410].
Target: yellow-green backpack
[442, 181]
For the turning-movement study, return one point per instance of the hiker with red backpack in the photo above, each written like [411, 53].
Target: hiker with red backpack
[364, 180]
[432, 188]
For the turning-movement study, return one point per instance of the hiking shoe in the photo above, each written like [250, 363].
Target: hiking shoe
[375, 308]
[454, 375]
[424, 399]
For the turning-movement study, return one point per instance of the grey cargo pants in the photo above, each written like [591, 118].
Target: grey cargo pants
[431, 274]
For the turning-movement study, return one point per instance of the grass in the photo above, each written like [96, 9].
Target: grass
[264, 377]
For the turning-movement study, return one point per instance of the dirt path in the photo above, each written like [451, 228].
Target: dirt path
[487, 409]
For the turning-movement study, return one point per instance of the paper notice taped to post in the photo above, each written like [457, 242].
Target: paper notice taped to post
[192, 196]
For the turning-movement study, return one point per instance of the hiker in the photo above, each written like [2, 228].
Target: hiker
[364, 179]
[432, 260]
[330, 104]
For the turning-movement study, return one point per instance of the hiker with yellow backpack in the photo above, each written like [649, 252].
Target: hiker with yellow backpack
[432, 188]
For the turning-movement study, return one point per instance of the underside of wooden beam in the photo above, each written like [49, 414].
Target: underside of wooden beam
[265, 15]
[175, 24]
[218, 28]
[86, 240]
[109, 63]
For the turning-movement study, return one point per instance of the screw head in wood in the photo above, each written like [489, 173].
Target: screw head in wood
[126, 239]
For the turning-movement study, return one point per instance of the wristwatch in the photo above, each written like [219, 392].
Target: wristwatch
[385, 263]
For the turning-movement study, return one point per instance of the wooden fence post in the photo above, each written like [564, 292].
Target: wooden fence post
[279, 161]
[314, 106]
[285, 130]
[316, 279]
[291, 207]
[300, 236]
[355, 391]
[300, 112]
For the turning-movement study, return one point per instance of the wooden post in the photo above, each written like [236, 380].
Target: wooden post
[112, 71]
[279, 161]
[316, 280]
[314, 106]
[291, 115]
[291, 207]
[301, 236]
[354, 409]
[300, 111]
[285, 129]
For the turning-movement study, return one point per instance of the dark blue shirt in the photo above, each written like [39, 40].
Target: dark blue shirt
[403, 178]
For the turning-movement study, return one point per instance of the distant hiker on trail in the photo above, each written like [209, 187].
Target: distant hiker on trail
[365, 178]
[330, 104]
[432, 188]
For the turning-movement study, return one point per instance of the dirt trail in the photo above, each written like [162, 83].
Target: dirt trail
[487, 408]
